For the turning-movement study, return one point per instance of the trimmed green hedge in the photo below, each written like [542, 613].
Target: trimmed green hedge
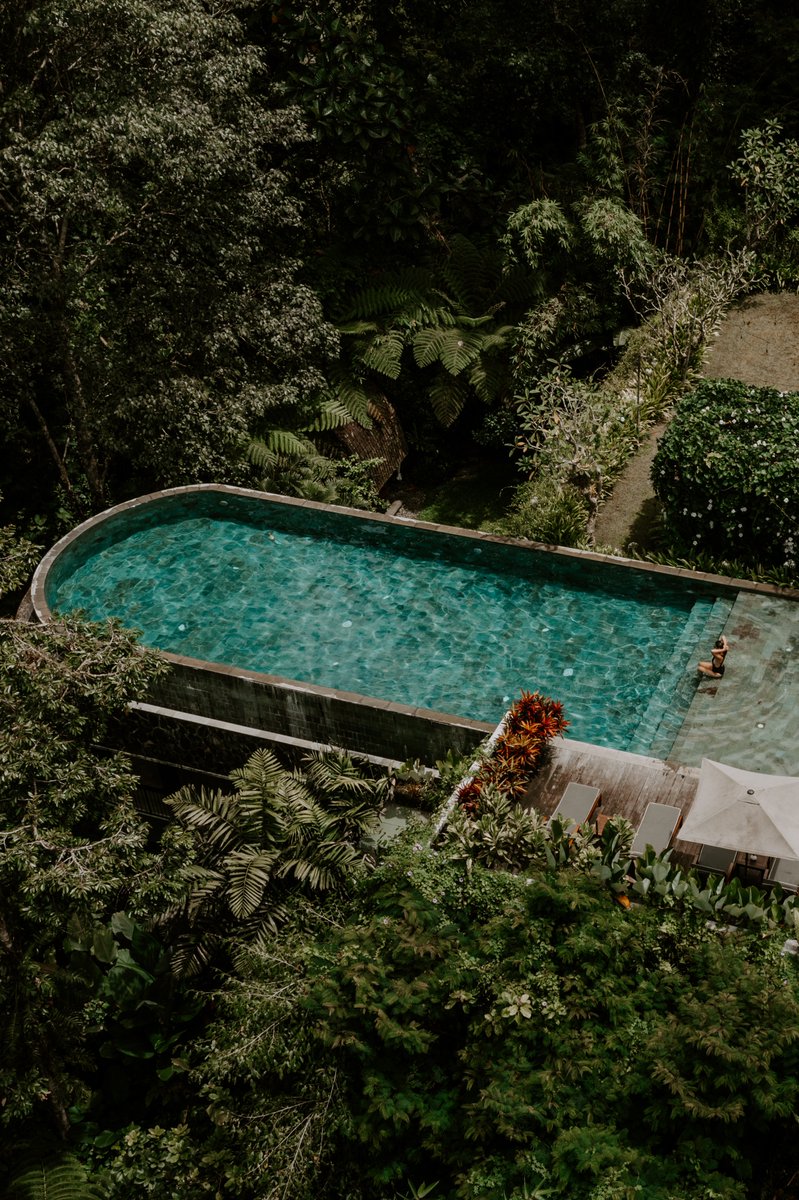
[727, 472]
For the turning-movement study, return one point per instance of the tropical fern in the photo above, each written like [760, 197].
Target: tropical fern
[489, 377]
[447, 397]
[54, 1177]
[354, 397]
[282, 836]
[212, 812]
[448, 319]
[332, 415]
[384, 353]
[409, 289]
[472, 274]
[249, 874]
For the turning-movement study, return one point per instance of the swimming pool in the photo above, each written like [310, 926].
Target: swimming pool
[449, 621]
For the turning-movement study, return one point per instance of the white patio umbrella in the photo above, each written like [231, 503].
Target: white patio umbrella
[744, 810]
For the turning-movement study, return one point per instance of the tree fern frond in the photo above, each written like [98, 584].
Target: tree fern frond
[477, 322]
[286, 442]
[490, 378]
[521, 287]
[332, 414]
[473, 274]
[405, 291]
[354, 398]
[261, 456]
[447, 396]
[433, 314]
[459, 348]
[386, 301]
[498, 338]
[427, 346]
[50, 1177]
[384, 353]
[358, 327]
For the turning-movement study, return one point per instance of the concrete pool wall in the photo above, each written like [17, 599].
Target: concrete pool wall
[223, 696]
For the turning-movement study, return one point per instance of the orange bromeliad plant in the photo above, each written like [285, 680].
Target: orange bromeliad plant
[532, 722]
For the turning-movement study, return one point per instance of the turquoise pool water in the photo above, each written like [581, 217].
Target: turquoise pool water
[391, 611]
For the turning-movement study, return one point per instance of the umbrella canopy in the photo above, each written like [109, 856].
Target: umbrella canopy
[744, 810]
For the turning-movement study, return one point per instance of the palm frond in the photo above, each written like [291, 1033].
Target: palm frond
[331, 773]
[259, 931]
[204, 885]
[249, 876]
[327, 870]
[193, 954]
[213, 813]
[300, 810]
[259, 776]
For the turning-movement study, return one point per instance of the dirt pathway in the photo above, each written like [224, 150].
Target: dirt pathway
[632, 495]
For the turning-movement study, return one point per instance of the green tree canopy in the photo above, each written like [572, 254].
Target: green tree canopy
[487, 1035]
[73, 850]
[151, 315]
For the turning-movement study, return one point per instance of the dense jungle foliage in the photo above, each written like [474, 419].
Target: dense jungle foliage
[228, 230]
[228, 233]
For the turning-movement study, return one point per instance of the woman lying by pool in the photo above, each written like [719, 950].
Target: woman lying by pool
[715, 668]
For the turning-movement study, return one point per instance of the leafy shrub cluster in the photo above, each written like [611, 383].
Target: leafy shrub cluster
[553, 1044]
[532, 721]
[544, 511]
[725, 472]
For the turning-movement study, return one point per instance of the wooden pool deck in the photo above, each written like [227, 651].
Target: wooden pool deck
[628, 783]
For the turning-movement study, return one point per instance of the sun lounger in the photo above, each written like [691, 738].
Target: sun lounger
[716, 860]
[579, 802]
[785, 871]
[657, 828]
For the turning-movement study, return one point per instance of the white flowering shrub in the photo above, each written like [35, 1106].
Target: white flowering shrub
[727, 473]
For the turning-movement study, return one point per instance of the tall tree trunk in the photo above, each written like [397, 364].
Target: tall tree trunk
[55, 454]
[80, 417]
[76, 400]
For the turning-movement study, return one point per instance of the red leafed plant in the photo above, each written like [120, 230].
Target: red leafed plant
[532, 722]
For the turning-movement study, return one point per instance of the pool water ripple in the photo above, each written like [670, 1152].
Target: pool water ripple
[375, 611]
